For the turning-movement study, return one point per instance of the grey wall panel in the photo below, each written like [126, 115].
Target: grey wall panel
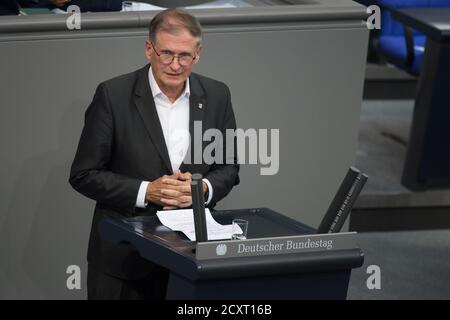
[45, 89]
[305, 82]
[318, 10]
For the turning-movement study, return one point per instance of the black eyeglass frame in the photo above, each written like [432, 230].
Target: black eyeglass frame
[173, 55]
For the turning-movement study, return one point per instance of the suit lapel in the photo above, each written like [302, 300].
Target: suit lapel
[197, 105]
[145, 104]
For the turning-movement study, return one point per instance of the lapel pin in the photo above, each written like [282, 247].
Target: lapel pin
[200, 106]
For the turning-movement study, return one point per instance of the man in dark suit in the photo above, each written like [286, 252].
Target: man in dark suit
[132, 159]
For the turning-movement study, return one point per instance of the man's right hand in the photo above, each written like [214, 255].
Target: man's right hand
[169, 192]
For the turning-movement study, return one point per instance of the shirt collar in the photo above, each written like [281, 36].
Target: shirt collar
[157, 91]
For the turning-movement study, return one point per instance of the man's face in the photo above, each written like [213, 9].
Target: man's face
[171, 77]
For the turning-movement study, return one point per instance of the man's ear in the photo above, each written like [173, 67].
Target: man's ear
[148, 50]
[197, 54]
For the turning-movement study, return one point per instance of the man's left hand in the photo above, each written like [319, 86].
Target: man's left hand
[183, 185]
[187, 176]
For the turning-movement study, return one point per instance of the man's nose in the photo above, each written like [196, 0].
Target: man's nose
[175, 65]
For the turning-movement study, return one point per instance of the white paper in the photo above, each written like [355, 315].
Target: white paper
[221, 4]
[140, 6]
[183, 220]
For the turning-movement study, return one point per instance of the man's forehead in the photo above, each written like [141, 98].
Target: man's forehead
[180, 38]
[176, 34]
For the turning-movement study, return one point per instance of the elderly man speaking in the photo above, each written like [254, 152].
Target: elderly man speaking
[132, 160]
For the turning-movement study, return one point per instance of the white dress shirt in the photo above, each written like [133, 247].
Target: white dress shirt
[174, 119]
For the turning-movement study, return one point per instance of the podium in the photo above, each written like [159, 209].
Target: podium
[196, 274]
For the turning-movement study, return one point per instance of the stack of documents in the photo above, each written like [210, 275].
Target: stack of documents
[183, 220]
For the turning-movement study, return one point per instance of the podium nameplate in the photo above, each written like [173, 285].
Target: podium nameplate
[277, 245]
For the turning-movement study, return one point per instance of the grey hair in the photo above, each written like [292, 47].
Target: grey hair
[173, 21]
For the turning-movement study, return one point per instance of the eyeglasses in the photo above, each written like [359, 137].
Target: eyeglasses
[184, 59]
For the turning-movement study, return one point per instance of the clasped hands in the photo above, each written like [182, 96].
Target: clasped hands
[172, 192]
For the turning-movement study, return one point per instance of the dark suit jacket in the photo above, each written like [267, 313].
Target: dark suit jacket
[122, 144]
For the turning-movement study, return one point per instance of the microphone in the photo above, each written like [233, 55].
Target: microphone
[343, 201]
[198, 208]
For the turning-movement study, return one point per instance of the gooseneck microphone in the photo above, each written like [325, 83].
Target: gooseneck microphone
[198, 208]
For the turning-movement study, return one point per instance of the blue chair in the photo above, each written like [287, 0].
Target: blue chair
[401, 45]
